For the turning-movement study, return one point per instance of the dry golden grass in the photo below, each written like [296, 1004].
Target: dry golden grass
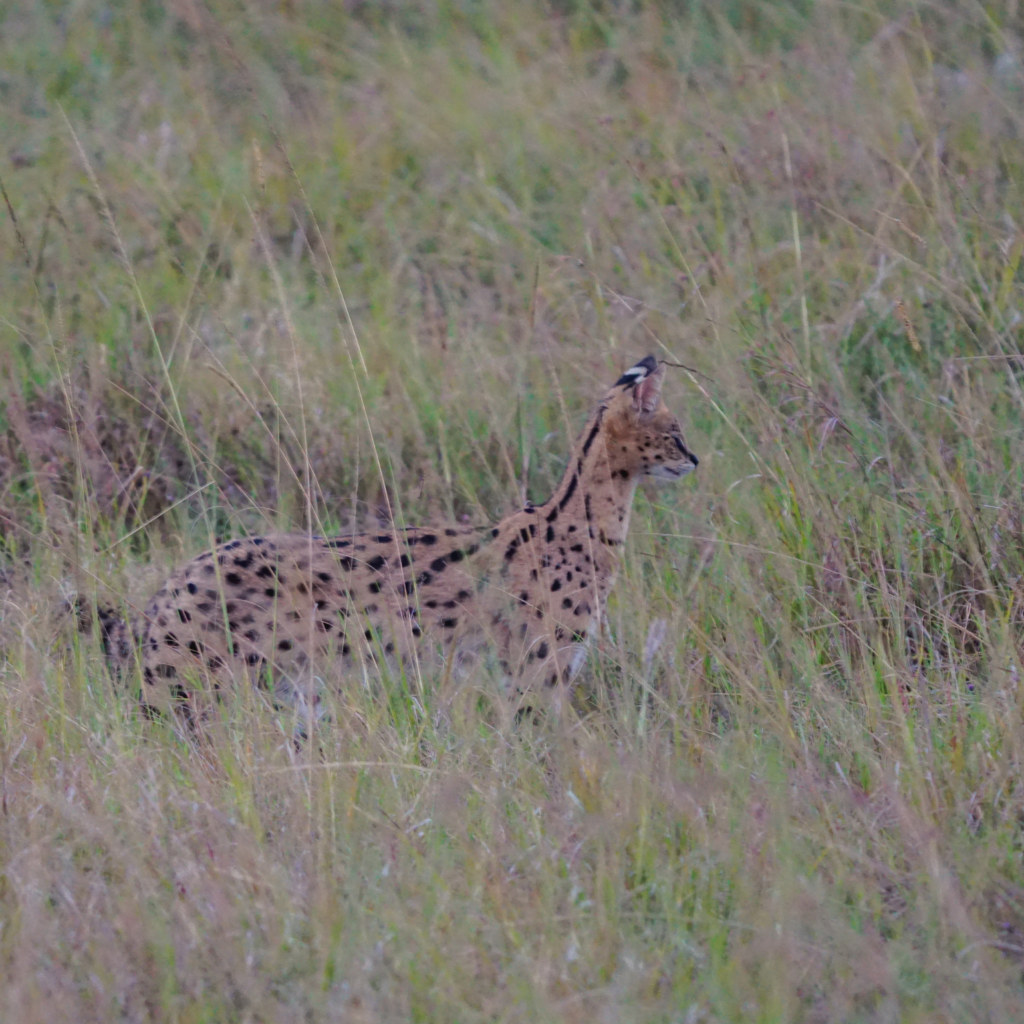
[281, 265]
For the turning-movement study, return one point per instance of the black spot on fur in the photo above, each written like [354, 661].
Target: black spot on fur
[171, 640]
[232, 579]
[449, 623]
[451, 533]
[429, 604]
[244, 563]
[542, 649]
[438, 564]
[566, 602]
[428, 539]
[424, 579]
[252, 635]
[337, 543]
[569, 492]
[385, 538]
[377, 562]
[166, 671]
[184, 615]
[270, 592]
[463, 595]
[192, 588]
[557, 585]
[374, 587]
[550, 535]
[195, 648]
[405, 561]
[576, 547]
[325, 577]
[593, 433]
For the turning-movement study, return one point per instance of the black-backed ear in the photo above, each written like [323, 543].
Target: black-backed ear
[638, 372]
[647, 392]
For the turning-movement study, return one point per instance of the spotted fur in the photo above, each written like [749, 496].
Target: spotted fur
[288, 611]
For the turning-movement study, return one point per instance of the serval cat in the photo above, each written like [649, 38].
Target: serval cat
[290, 612]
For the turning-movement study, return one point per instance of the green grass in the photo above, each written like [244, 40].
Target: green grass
[291, 265]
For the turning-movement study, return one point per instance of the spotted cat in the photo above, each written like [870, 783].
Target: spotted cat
[291, 612]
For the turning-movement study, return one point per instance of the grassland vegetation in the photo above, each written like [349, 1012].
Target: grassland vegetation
[307, 265]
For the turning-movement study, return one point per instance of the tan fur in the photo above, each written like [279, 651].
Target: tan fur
[287, 611]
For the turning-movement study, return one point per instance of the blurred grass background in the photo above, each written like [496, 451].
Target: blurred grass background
[274, 264]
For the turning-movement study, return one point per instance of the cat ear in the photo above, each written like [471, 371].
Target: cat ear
[647, 392]
[638, 372]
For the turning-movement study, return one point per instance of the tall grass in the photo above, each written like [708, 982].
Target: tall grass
[281, 266]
